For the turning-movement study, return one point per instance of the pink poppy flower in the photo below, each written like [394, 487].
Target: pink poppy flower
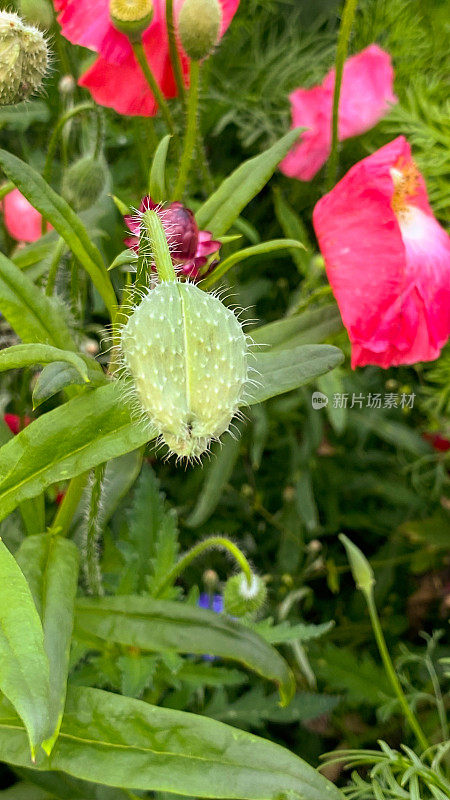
[16, 423]
[22, 221]
[387, 260]
[190, 248]
[366, 95]
[115, 79]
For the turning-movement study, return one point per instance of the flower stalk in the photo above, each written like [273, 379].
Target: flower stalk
[217, 542]
[190, 135]
[173, 50]
[139, 52]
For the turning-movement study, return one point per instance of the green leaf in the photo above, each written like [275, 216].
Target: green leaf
[158, 625]
[249, 252]
[285, 632]
[282, 370]
[32, 315]
[157, 178]
[119, 741]
[218, 474]
[309, 327]
[254, 708]
[24, 791]
[293, 228]
[50, 565]
[86, 431]
[24, 672]
[55, 209]
[25, 355]
[219, 212]
[363, 680]
[124, 259]
[59, 375]
[65, 787]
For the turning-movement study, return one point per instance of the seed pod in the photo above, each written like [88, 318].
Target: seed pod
[23, 59]
[187, 355]
[83, 182]
[240, 598]
[131, 17]
[198, 27]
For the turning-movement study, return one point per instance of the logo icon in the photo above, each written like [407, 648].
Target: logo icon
[319, 400]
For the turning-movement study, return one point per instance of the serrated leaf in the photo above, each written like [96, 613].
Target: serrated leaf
[363, 680]
[159, 625]
[286, 632]
[223, 207]
[33, 316]
[254, 708]
[24, 671]
[69, 226]
[121, 742]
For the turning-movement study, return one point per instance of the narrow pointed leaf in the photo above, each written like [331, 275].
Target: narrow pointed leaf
[86, 431]
[217, 476]
[24, 672]
[219, 212]
[26, 355]
[283, 370]
[118, 741]
[33, 316]
[155, 625]
[310, 327]
[50, 565]
[55, 209]
[249, 252]
[157, 182]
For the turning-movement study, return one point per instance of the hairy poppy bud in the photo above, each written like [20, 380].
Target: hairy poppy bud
[240, 598]
[38, 12]
[199, 26]
[84, 182]
[23, 59]
[187, 355]
[131, 17]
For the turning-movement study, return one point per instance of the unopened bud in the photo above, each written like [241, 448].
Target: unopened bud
[199, 26]
[83, 182]
[131, 17]
[210, 579]
[240, 598]
[37, 12]
[23, 59]
[66, 85]
[361, 570]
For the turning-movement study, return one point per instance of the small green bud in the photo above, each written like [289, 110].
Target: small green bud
[84, 182]
[240, 599]
[131, 17]
[37, 12]
[187, 355]
[23, 59]
[361, 570]
[199, 26]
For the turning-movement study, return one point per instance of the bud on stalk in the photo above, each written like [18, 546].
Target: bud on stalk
[199, 27]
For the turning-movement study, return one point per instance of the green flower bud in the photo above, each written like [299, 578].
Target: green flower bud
[37, 12]
[131, 17]
[199, 26]
[187, 355]
[83, 182]
[240, 599]
[23, 59]
[361, 570]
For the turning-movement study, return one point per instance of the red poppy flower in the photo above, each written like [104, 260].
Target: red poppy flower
[115, 79]
[387, 259]
[190, 248]
[366, 95]
[16, 423]
[22, 221]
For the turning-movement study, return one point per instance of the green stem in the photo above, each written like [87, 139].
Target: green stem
[348, 16]
[141, 58]
[152, 234]
[391, 673]
[6, 189]
[173, 50]
[92, 534]
[53, 271]
[69, 505]
[190, 135]
[73, 112]
[213, 541]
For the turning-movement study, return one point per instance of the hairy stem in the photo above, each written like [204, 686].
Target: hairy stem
[139, 52]
[173, 50]
[152, 233]
[213, 542]
[92, 534]
[348, 16]
[69, 504]
[190, 135]
[54, 265]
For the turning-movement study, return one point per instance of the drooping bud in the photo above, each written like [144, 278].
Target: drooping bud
[84, 182]
[361, 570]
[187, 355]
[23, 59]
[199, 26]
[37, 12]
[67, 85]
[131, 17]
[240, 598]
